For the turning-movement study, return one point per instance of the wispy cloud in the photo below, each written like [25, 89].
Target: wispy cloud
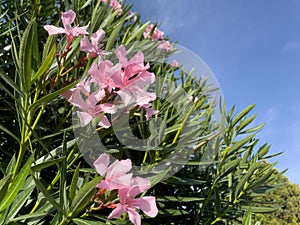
[291, 46]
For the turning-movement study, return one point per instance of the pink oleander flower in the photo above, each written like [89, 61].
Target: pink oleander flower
[115, 5]
[157, 34]
[90, 107]
[102, 72]
[133, 79]
[71, 32]
[117, 175]
[134, 18]
[129, 204]
[93, 47]
[166, 46]
[149, 111]
[174, 63]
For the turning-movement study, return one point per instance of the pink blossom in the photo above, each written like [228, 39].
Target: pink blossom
[101, 74]
[133, 79]
[165, 45]
[71, 32]
[116, 174]
[93, 47]
[115, 5]
[157, 34]
[90, 107]
[129, 203]
[174, 63]
[149, 111]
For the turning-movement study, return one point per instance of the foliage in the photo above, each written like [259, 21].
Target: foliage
[44, 177]
[287, 197]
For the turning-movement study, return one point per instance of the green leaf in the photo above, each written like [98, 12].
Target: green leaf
[63, 178]
[112, 38]
[4, 182]
[51, 96]
[9, 133]
[84, 196]
[30, 216]
[16, 185]
[262, 209]
[43, 165]
[11, 83]
[241, 185]
[11, 165]
[240, 143]
[74, 181]
[228, 168]
[242, 114]
[19, 201]
[45, 65]
[28, 54]
[178, 199]
[247, 219]
[87, 222]
[138, 33]
[50, 43]
[48, 196]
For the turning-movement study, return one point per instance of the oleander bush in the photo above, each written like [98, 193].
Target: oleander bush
[74, 70]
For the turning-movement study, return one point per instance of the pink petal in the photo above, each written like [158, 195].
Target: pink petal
[84, 118]
[120, 182]
[149, 112]
[138, 186]
[104, 122]
[52, 30]
[68, 94]
[125, 95]
[119, 168]
[68, 17]
[117, 212]
[101, 164]
[78, 101]
[121, 54]
[146, 204]
[77, 31]
[143, 97]
[97, 37]
[108, 108]
[85, 45]
[134, 217]
[143, 79]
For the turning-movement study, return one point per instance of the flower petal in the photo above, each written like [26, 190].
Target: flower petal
[68, 17]
[138, 186]
[52, 30]
[85, 45]
[146, 204]
[84, 118]
[101, 164]
[134, 217]
[117, 212]
[97, 37]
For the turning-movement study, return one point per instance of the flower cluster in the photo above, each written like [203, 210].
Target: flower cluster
[115, 5]
[128, 187]
[157, 35]
[95, 96]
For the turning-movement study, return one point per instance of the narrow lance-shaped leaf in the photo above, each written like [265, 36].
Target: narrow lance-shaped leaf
[28, 55]
[16, 185]
[45, 65]
[84, 196]
[48, 196]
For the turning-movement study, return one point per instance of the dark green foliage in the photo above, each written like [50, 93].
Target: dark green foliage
[286, 197]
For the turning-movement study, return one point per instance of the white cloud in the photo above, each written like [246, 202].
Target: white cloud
[291, 46]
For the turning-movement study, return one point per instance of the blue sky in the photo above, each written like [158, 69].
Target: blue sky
[253, 48]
